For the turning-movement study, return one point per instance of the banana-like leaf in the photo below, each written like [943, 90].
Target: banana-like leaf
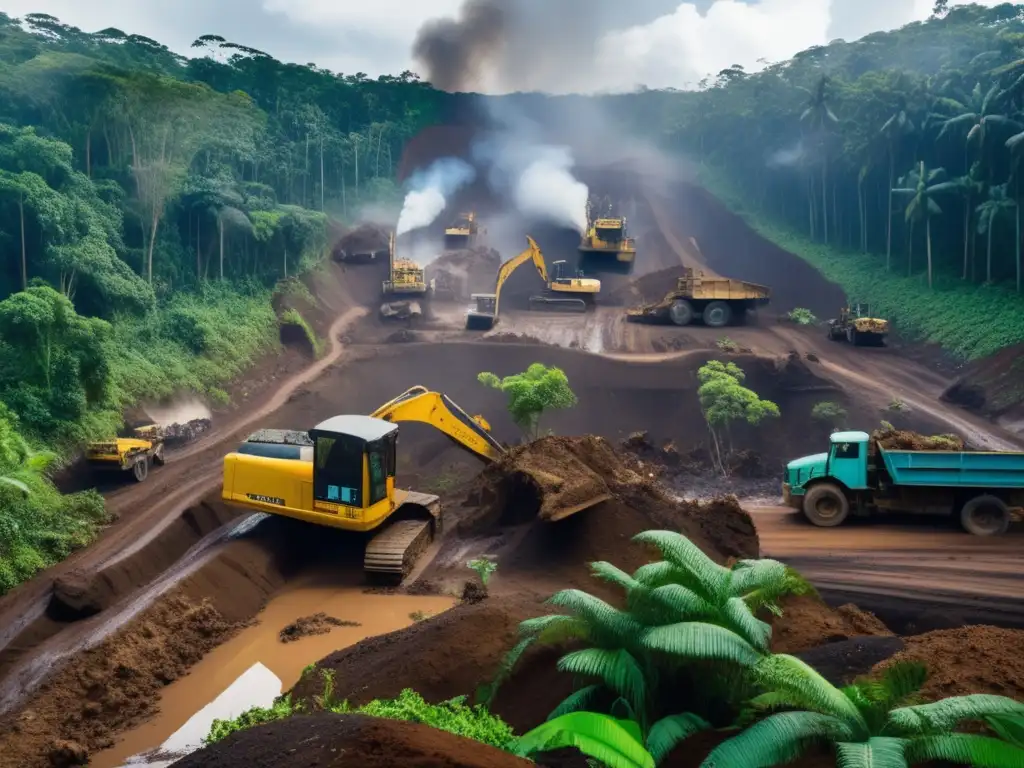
[14, 483]
[666, 734]
[738, 617]
[555, 629]
[1009, 727]
[695, 640]
[965, 749]
[777, 740]
[790, 675]
[876, 752]
[945, 715]
[576, 702]
[618, 670]
[601, 737]
[684, 554]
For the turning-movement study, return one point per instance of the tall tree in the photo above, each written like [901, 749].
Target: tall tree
[921, 186]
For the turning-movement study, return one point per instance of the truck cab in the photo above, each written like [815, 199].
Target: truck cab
[845, 463]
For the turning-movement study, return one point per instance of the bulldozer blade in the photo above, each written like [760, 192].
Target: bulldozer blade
[564, 512]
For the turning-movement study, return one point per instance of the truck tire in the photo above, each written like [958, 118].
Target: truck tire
[826, 506]
[717, 314]
[851, 336]
[158, 456]
[140, 469]
[681, 312]
[985, 515]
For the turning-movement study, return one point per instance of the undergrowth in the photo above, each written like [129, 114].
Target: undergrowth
[453, 716]
[292, 317]
[971, 321]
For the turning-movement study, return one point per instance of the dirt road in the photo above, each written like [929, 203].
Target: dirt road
[914, 574]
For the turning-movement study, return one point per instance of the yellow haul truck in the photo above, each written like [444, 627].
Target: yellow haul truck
[463, 233]
[607, 236]
[856, 325]
[717, 301]
[128, 454]
[405, 276]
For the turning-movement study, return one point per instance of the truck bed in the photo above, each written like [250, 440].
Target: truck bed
[969, 469]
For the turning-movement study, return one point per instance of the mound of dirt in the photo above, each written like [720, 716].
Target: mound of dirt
[807, 623]
[976, 659]
[332, 741]
[991, 386]
[317, 624]
[646, 289]
[903, 440]
[363, 241]
[464, 272]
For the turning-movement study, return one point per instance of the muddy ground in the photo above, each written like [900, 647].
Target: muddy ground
[181, 573]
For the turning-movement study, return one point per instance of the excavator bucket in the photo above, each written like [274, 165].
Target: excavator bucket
[482, 313]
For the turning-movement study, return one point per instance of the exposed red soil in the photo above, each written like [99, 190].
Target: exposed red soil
[976, 659]
[806, 623]
[992, 386]
[317, 624]
[335, 741]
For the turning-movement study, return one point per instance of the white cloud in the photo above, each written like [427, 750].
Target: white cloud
[396, 19]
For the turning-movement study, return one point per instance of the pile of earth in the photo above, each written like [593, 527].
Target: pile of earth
[905, 440]
[317, 624]
[647, 289]
[363, 242]
[992, 386]
[458, 274]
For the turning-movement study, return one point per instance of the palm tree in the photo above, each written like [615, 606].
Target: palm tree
[20, 466]
[967, 187]
[1015, 144]
[921, 186]
[870, 723]
[978, 119]
[893, 131]
[818, 116]
[998, 205]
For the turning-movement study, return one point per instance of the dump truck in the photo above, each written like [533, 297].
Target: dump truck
[856, 325]
[341, 474]
[607, 236]
[717, 301]
[562, 292]
[405, 276]
[858, 476]
[463, 233]
[132, 454]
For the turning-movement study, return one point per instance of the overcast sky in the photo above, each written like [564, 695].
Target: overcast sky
[658, 43]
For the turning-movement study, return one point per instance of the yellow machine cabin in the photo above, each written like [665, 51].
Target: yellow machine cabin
[341, 474]
[856, 325]
[128, 454]
[562, 293]
[462, 234]
[606, 235]
[405, 276]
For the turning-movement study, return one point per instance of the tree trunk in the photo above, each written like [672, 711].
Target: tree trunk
[321, 173]
[967, 232]
[1017, 242]
[910, 250]
[152, 243]
[24, 257]
[286, 262]
[305, 199]
[199, 248]
[988, 256]
[824, 199]
[88, 153]
[888, 232]
[220, 225]
[860, 213]
[928, 236]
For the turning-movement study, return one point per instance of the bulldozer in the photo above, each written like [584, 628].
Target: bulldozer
[132, 454]
[562, 293]
[717, 301]
[341, 474]
[607, 236]
[405, 276]
[463, 233]
[856, 325]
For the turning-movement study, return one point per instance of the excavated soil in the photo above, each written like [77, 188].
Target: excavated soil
[807, 623]
[992, 386]
[904, 440]
[464, 272]
[978, 659]
[363, 240]
[317, 624]
[342, 741]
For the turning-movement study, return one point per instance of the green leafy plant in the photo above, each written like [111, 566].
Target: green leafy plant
[724, 401]
[613, 743]
[897, 406]
[532, 393]
[873, 722]
[293, 318]
[484, 567]
[829, 413]
[801, 316]
[727, 345]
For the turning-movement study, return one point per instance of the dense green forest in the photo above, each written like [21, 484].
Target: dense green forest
[151, 203]
[905, 145]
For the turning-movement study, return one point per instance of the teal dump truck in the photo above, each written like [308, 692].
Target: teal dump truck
[859, 477]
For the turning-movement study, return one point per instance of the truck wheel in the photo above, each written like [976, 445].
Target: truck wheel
[985, 515]
[826, 505]
[851, 336]
[717, 314]
[140, 470]
[681, 312]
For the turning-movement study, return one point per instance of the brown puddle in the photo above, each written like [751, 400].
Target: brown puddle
[376, 614]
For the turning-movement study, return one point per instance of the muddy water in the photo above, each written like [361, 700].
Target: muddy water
[376, 614]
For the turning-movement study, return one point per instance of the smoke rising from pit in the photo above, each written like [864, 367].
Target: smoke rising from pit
[429, 191]
[456, 50]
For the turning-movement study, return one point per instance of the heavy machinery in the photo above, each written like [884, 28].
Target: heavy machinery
[717, 301]
[856, 325]
[128, 454]
[341, 474]
[463, 233]
[606, 236]
[405, 276]
[561, 293]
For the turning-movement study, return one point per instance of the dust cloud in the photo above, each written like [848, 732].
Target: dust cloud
[429, 191]
[179, 412]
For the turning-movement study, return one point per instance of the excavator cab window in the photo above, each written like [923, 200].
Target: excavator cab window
[338, 468]
[380, 456]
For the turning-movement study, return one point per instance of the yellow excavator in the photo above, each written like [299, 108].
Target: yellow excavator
[606, 236]
[341, 474]
[561, 294]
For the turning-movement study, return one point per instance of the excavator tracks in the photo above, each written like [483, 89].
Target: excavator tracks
[393, 552]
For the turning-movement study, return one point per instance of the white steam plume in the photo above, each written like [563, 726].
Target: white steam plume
[429, 191]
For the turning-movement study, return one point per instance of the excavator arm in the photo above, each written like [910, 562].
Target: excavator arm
[506, 269]
[472, 433]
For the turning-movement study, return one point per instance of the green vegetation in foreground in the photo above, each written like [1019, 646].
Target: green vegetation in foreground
[691, 637]
[937, 315]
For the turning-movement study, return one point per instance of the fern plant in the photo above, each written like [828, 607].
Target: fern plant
[870, 724]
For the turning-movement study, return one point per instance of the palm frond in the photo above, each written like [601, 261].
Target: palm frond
[947, 714]
[777, 740]
[965, 749]
[1009, 728]
[685, 603]
[782, 672]
[606, 624]
[612, 575]
[598, 736]
[1015, 142]
[14, 483]
[738, 617]
[748, 575]
[897, 683]
[876, 752]
[765, 703]
[684, 554]
[957, 123]
[698, 640]
[617, 669]
[575, 702]
[659, 574]
[666, 734]
[555, 629]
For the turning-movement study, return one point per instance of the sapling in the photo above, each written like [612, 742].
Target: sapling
[484, 567]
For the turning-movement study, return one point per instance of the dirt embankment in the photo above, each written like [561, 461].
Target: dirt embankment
[993, 387]
[362, 243]
[458, 274]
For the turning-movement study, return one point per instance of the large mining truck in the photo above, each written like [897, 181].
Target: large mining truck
[856, 325]
[717, 301]
[405, 277]
[132, 454]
